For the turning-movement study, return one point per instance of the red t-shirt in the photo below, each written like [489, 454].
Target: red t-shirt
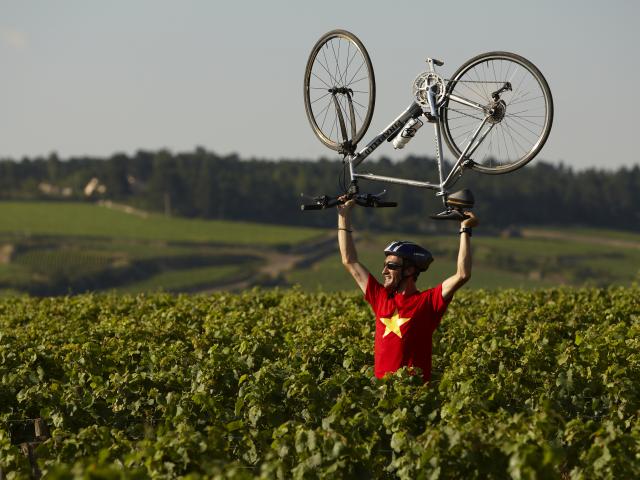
[404, 327]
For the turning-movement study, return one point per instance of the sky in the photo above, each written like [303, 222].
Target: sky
[83, 77]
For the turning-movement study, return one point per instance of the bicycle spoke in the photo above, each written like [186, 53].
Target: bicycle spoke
[346, 75]
[525, 150]
[320, 98]
[493, 67]
[466, 134]
[525, 127]
[489, 155]
[518, 98]
[499, 149]
[354, 75]
[333, 126]
[359, 80]
[358, 103]
[526, 119]
[326, 111]
[472, 90]
[346, 68]
[358, 114]
[465, 114]
[504, 138]
[325, 67]
[339, 73]
[346, 84]
[525, 101]
[513, 140]
[336, 63]
[326, 70]
[328, 86]
[482, 84]
[514, 93]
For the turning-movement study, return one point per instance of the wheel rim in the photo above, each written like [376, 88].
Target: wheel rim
[520, 120]
[339, 67]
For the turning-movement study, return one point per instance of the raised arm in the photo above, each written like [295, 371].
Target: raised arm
[348, 246]
[463, 273]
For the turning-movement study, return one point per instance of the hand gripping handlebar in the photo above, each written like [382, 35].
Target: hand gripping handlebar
[362, 199]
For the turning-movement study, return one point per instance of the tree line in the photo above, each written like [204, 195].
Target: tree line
[206, 185]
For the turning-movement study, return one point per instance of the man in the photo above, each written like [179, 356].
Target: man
[405, 317]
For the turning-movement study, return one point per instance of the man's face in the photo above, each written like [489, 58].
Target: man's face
[392, 271]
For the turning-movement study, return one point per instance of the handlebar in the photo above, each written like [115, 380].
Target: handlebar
[312, 207]
[385, 204]
[362, 199]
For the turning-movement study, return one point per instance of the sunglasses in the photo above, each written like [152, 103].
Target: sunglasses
[392, 266]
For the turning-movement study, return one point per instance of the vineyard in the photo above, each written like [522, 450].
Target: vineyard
[272, 384]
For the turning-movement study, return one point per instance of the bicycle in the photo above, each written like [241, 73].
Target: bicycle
[495, 114]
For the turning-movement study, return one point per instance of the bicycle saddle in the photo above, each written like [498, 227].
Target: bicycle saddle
[461, 199]
[456, 202]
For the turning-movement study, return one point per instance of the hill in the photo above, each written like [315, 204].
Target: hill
[53, 248]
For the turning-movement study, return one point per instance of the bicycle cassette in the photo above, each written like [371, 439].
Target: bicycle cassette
[421, 85]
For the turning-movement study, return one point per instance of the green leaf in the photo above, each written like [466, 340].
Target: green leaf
[235, 425]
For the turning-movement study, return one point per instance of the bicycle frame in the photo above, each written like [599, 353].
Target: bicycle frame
[415, 111]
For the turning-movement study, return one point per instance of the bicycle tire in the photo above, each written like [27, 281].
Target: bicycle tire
[319, 77]
[502, 150]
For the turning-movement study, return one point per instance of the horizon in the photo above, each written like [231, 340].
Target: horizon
[335, 158]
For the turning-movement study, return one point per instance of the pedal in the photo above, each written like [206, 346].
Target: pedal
[449, 214]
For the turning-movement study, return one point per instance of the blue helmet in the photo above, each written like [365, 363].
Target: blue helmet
[418, 256]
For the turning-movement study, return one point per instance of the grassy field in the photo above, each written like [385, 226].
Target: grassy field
[59, 248]
[52, 248]
[498, 262]
[89, 220]
[185, 279]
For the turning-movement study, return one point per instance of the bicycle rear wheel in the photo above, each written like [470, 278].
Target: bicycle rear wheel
[339, 89]
[518, 101]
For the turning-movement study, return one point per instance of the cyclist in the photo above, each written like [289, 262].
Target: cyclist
[405, 317]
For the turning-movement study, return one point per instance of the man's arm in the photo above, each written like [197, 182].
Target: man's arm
[463, 274]
[348, 247]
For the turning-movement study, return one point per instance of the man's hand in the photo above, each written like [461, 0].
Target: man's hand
[344, 209]
[472, 221]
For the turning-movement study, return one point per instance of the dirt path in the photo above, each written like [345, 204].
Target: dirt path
[551, 234]
[277, 264]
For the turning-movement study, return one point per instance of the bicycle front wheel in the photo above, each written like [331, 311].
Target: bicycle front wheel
[515, 98]
[339, 89]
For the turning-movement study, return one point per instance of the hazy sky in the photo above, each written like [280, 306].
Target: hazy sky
[99, 77]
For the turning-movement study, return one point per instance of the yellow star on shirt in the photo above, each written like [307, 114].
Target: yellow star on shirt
[393, 324]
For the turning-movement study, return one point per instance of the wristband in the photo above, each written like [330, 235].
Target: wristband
[466, 230]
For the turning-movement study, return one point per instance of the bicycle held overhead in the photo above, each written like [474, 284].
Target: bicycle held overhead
[494, 113]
